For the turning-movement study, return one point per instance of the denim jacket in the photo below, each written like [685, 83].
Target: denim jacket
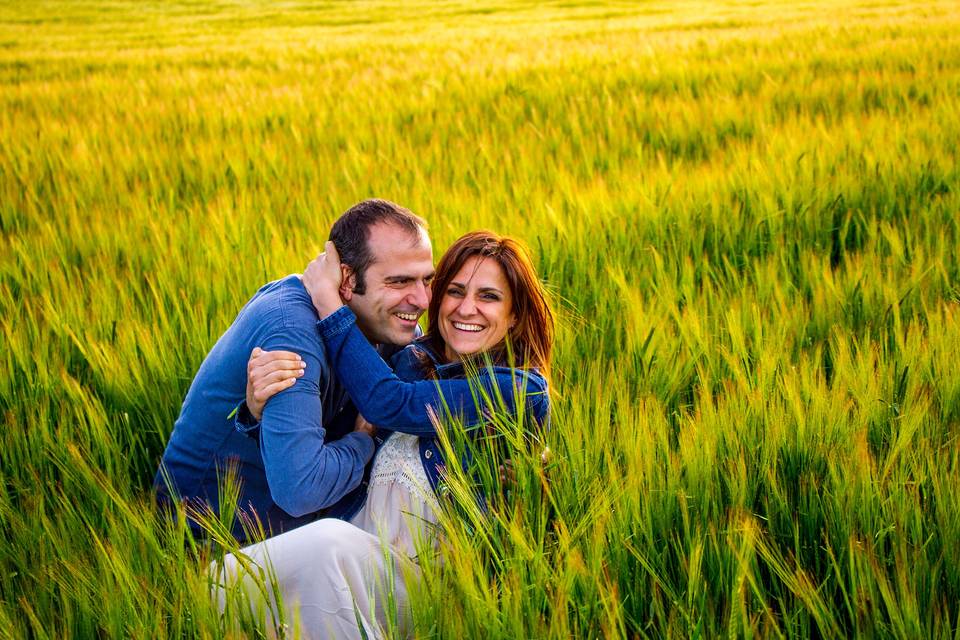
[294, 468]
[397, 400]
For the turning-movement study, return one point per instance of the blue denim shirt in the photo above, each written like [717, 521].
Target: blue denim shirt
[290, 472]
[397, 400]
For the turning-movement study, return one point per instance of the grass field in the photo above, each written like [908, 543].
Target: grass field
[749, 211]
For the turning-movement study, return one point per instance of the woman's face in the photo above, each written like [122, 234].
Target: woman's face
[476, 310]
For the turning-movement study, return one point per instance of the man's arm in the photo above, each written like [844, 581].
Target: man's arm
[304, 473]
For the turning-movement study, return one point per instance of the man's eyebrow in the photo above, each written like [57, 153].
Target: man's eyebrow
[404, 278]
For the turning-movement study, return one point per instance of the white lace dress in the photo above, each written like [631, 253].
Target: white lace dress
[401, 507]
[332, 573]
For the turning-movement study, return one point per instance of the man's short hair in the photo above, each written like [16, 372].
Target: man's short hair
[351, 233]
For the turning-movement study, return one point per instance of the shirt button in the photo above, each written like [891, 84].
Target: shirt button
[428, 454]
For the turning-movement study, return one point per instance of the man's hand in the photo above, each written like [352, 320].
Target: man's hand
[322, 279]
[268, 373]
[362, 426]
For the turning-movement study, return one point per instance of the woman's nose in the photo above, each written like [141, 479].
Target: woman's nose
[467, 307]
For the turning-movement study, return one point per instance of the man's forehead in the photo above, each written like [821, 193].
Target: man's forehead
[396, 251]
[386, 235]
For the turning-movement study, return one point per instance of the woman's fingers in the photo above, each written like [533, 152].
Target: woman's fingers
[322, 279]
[330, 250]
[268, 373]
[324, 270]
[267, 368]
[279, 375]
[268, 362]
[259, 358]
[267, 392]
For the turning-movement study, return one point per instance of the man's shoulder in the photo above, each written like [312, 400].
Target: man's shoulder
[285, 302]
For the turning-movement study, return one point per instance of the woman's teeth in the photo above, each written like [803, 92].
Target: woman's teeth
[467, 327]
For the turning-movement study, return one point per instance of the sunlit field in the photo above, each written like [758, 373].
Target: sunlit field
[748, 214]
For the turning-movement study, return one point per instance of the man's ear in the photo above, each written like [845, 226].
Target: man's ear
[348, 281]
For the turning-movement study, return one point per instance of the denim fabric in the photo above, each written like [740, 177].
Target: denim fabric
[387, 401]
[397, 400]
[289, 473]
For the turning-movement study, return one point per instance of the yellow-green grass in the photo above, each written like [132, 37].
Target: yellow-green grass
[748, 212]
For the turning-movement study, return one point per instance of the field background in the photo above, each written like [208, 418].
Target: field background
[748, 212]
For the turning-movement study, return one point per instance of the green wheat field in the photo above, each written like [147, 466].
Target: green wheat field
[748, 213]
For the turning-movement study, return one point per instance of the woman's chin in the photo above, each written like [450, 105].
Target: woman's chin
[465, 351]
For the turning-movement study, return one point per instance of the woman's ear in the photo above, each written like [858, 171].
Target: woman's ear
[348, 281]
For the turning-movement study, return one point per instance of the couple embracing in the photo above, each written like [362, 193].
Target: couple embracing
[321, 398]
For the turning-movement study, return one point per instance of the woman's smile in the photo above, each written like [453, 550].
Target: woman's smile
[467, 327]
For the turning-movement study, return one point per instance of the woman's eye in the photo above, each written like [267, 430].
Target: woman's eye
[454, 292]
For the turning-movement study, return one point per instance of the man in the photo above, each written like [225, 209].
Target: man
[292, 470]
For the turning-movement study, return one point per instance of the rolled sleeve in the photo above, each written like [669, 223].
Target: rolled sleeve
[337, 323]
[244, 422]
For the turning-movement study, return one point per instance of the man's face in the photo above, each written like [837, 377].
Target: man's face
[397, 285]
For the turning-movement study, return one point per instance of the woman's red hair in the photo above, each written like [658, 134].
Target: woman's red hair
[531, 338]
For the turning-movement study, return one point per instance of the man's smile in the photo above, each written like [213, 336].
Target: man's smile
[407, 316]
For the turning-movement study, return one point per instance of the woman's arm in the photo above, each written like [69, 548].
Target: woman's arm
[391, 403]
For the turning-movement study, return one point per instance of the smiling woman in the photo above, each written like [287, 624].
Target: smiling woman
[476, 310]
[486, 289]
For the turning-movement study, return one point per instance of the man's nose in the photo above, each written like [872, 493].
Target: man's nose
[420, 296]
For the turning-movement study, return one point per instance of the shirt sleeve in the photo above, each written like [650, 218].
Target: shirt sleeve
[243, 420]
[304, 473]
[387, 401]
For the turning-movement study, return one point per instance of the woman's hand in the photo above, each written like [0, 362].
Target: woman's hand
[322, 279]
[268, 373]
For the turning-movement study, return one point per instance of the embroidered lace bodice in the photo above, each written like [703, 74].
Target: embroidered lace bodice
[401, 506]
[398, 462]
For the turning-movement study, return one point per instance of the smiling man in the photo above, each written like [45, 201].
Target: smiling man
[305, 453]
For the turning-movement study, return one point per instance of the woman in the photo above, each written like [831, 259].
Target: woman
[486, 298]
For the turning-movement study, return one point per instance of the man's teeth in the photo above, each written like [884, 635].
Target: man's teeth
[467, 327]
[407, 316]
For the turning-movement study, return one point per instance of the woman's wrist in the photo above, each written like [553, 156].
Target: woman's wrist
[326, 305]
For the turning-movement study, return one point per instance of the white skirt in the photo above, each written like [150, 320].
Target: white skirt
[335, 577]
